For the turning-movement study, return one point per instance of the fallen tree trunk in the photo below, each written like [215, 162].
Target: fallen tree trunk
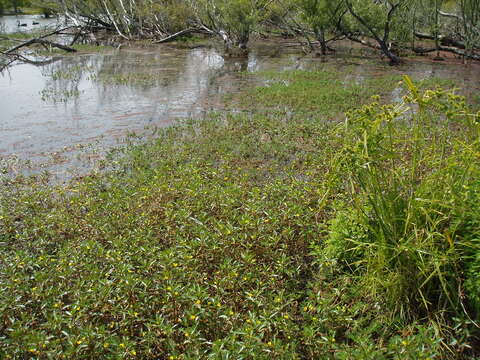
[452, 50]
[42, 42]
[444, 40]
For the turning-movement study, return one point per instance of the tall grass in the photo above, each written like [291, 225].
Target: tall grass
[406, 177]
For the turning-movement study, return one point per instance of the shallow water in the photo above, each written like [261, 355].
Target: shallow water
[9, 24]
[49, 112]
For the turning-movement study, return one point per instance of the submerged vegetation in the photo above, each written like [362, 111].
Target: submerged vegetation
[321, 222]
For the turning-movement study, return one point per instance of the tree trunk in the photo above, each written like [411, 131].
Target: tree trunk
[322, 41]
[394, 59]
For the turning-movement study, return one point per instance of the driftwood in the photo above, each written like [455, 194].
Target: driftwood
[40, 41]
[13, 55]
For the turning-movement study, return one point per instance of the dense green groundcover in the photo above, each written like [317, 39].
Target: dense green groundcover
[274, 233]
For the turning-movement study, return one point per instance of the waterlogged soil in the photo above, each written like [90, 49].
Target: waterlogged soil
[63, 116]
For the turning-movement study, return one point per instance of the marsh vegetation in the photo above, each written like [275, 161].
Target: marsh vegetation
[283, 206]
[308, 227]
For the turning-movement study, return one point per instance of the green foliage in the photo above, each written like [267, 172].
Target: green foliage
[234, 20]
[407, 177]
[256, 235]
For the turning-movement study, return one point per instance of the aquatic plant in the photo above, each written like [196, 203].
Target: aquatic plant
[258, 235]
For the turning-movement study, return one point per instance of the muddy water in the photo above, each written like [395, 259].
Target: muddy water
[48, 113]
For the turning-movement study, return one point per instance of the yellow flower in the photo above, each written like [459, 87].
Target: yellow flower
[286, 317]
[192, 317]
[122, 345]
[105, 345]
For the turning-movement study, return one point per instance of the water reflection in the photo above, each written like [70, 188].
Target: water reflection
[102, 97]
[80, 99]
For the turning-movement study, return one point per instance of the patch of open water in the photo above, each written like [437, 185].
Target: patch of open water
[47, 113]
[25, 23]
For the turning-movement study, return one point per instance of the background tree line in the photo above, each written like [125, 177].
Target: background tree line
[47, 8]
[391, 26]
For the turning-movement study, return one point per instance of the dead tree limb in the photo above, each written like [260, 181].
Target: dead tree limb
[43, 42]
[176, 35]
[7, 64]
[452, 50]
[444, 40]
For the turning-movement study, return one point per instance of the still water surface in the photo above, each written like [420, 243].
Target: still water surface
[48, 112]
[9, 24]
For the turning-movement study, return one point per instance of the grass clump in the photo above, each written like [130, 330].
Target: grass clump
[258, 235]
